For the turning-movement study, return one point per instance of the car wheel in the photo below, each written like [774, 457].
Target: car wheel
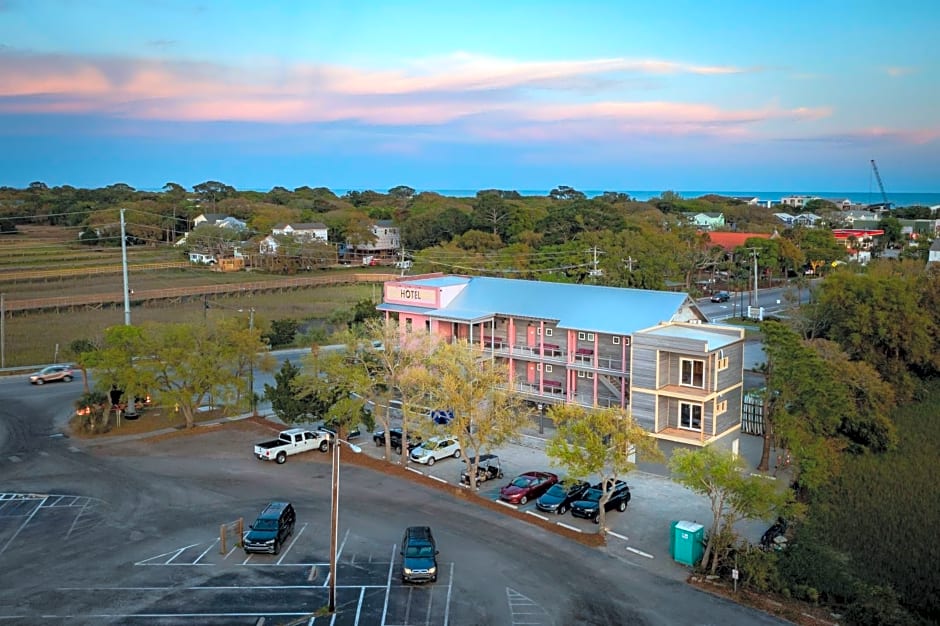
[457, 453]
[523, 500]
[622, 506]
[324, 446]
[596, 519]
[562, 509]
[281, 457]
[277, 547]
[40, 381]
[396, 450]
[379, 443]
[431, 460]
[67, 379]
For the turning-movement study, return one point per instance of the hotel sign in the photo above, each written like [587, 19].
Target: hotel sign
[415, 296]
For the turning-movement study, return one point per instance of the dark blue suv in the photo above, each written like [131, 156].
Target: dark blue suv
[272, 528]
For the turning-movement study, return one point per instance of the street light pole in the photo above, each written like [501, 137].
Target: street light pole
[251, 365]
[334, 513]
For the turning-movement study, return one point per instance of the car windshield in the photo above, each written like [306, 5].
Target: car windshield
[417, 551]
[50, 370]
[522, 481]
[265, 524]
[592, 495]
[557, 491]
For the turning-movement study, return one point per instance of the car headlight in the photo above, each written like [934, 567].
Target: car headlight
[432, 571]
[269, 542]
[408, 570]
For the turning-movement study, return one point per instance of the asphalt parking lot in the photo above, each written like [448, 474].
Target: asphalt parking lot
[639, 535]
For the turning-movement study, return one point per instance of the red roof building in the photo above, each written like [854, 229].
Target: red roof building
[731, 240]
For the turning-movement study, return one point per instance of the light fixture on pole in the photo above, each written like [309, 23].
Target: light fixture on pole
[334, 512]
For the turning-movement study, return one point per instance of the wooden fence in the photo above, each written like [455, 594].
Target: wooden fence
[98, 301]
[65, 272]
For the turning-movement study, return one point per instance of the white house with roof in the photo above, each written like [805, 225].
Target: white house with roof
[220, 220]
[303, 232]
[708, 221]
[801, 219]
[386, 244]
[649, 351]
[797, 202]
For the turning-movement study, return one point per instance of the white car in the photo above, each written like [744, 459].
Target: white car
[435, 449]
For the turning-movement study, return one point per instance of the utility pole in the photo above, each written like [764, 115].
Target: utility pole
[595, 271]
[251, 365]
[754, 254]
[3, 330]
[127, 289]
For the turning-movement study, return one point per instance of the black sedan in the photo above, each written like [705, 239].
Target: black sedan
[558, 499]
[394, 435]
[589, 505]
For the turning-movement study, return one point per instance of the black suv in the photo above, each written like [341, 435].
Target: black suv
[394, 436]
[418, 555]
[588, 506]
[271, 529]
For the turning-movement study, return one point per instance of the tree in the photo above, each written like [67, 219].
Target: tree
[491, 211]
[401, 192]
[329, 383]
[486, 412]
[598, 442]
[282, 332]
[285, 401]
[212, 191]
[734, 496]
[804, 405]
[564, 192]
[184, 365]
[79, 348]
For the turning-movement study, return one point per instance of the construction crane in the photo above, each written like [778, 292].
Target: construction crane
[884, 197]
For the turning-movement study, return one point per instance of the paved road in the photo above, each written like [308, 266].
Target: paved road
[128, 534]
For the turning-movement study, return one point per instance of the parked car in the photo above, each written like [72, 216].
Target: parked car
[273, 526]
[589, 505]
[394, 436]
[331, 427]
[292, 441]
[525, 487]
[418, 555]
[720, 296]
[51, 374]
[488, 468]
[560, 496]
[435, 449]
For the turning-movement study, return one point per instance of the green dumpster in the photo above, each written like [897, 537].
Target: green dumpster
[686, 542]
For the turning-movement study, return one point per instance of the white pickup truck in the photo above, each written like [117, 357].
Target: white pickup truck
[292, 441]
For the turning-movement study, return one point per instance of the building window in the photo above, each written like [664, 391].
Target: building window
[721, 407]
[548, 367]
[538, 367]
[548, 332]
[538, 330]
[407, 324]
[590, 336]
[690, 416]
[581, 336]
[580, 374]
[722, 363]
[590, 374]
[626, 341]
[616, 340]
[692, 373]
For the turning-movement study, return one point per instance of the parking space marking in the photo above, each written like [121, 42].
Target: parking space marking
[388, 584]
[205, 552]
[450, 587]
[293, 541]
[175, 554]
[524, 610]
[75, 521]
[640, 552]
[20, 529]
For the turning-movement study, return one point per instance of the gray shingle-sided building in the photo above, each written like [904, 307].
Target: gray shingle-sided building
[650, 351]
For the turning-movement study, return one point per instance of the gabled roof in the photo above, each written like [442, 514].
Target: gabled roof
[592, 308]
[731, 240]
[302, 226]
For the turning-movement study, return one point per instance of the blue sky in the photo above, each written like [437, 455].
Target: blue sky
[621, 95]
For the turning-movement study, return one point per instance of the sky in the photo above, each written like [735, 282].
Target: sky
[527, 95]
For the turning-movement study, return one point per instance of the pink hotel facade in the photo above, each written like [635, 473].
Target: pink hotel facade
[649, 351]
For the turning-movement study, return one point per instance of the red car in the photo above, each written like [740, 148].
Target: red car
[525, 487]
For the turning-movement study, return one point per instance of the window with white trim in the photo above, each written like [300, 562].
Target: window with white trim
[690, 416]
[590, 336]
[692, 373]
[721, 407]
[538, 330]
[590, 374]
[580, 374]
[615, 340]
[538, 367]
[722, 363]
[548, 367]
[548, 332]
[581, 336]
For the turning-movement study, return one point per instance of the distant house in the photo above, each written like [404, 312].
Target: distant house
[732, 240]
[387, 239]
[220, 220]
[797, 202]
[801, 219]
[708, 221]
[752, 200]
[933, 256]
[305, 231]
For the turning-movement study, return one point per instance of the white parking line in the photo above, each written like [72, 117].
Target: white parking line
[291, 545]
[20, 529]
[506, 504]
[388, 587]
[411, 469]
[206, 551]
[640, 552]
[362, 595]
[538, 515]
[440, 480]
[563, 525]
[617, 535]
[450, 587]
